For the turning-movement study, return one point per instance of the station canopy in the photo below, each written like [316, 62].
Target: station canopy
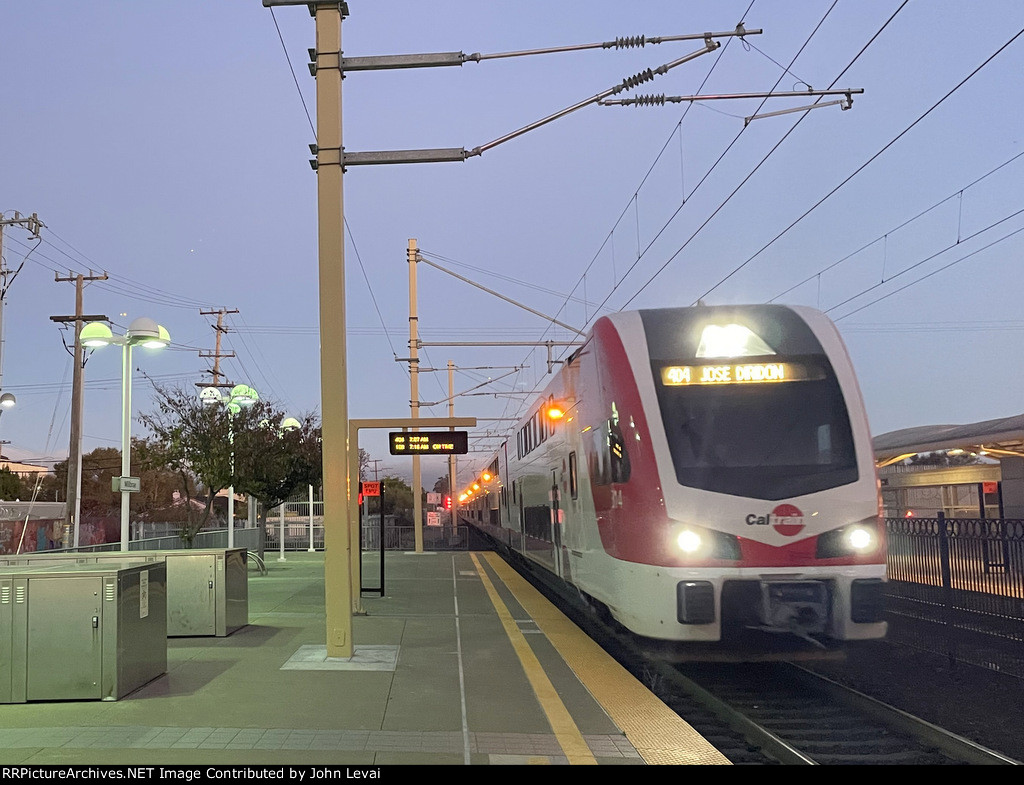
[1003, 437]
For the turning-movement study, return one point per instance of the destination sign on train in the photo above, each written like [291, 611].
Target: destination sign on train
[738, 373]
[429, 443]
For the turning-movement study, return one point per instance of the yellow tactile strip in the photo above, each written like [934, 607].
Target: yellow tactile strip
[562, 724]
[658, 734]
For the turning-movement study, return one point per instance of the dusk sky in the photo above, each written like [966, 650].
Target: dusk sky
[166, 144]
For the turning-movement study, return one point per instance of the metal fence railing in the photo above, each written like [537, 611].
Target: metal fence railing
[956, 585]
[248, 538]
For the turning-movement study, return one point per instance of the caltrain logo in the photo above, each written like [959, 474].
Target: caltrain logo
[786, 519]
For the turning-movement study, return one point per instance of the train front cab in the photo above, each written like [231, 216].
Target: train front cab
[765, 578]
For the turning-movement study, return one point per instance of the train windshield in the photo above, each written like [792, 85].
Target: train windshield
[769, 440]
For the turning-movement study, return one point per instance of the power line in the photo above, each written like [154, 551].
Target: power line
[294, 77]
[678, 129]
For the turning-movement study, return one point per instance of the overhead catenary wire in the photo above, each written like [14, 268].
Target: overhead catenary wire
[957, 193]
[640, 254]
[860, 168]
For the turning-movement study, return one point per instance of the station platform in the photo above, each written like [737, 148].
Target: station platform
[460, 662]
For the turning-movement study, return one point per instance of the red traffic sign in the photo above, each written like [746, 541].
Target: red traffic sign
[370, 488]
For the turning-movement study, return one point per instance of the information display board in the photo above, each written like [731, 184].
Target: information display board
[429, 443]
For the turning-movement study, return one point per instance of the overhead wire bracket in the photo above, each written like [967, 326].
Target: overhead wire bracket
[660, 100]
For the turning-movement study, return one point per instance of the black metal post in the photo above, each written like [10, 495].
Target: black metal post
[381, 506]
[947, 588]
[374, 589]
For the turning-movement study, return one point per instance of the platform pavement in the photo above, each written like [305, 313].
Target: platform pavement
[460, 662]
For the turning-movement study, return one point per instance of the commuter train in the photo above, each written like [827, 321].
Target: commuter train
[701, 475]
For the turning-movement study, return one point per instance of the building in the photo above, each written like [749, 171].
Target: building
[23, 470]
[991, 488]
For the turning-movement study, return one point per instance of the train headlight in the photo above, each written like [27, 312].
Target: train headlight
[697, 542]
[856, 539]
[861, 539]
[689, 541]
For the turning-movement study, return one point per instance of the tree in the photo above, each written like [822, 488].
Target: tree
[398, 499]
[10, 485]
[212, 448]
[193, 441]
[364, 464]
[99, 466]
[271, 463]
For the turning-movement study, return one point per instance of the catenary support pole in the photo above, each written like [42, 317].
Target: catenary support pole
[333, 358]
[414, 393]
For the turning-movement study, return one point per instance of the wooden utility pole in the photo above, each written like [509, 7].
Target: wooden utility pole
[217, 355]
[376, 469]
[74, 503]
[33, 225]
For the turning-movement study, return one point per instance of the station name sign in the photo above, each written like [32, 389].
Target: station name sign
[429, 443]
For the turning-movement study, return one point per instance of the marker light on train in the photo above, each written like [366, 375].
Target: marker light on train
[731, 340]
[486, 476]
[555, 411]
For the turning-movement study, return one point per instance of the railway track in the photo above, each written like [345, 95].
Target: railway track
[793, 716]
[777, 712]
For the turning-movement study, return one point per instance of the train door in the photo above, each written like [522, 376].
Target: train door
[570, 505]
[556, 523]
[521, 534]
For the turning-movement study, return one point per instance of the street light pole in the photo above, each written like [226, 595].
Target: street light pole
[148, 334]
[126, 430]
[241, 395]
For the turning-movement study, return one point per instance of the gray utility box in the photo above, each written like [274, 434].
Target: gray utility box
[207, 588]
[81, 631]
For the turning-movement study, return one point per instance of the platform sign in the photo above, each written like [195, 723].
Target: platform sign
[429, 443]
[370, 488]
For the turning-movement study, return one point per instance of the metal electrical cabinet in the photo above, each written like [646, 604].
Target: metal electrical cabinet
[208, 591]
[81, 631]
[207, 588]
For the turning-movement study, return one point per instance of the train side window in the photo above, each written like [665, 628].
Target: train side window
[618, 455]
[572, 475]
[611, 460]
